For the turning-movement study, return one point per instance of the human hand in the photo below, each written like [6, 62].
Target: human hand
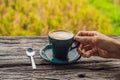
[96, 44]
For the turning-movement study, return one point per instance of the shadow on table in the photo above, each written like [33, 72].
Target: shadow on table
[90, 65]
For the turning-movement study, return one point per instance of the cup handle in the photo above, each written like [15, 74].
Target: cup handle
[77, 45]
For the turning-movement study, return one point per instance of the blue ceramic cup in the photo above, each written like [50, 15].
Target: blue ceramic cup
[62, 42]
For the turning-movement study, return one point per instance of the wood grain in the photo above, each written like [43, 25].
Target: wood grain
[15, 65]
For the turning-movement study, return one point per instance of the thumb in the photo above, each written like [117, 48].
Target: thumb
[85, 39]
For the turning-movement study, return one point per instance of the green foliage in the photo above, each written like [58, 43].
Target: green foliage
[38, 17]
[110, 10]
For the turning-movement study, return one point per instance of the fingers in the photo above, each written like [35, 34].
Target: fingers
[83, 53]
[87, 53]
[86, 47]
[85, 39]
[86, 33]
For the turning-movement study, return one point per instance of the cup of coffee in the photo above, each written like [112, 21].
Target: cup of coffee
[61, 42]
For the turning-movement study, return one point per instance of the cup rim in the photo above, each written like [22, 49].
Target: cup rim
[60, 30]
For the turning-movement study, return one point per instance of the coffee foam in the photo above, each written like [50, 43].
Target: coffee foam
[61, 35]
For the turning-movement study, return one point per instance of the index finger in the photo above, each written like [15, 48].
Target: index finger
[86, 33]
[86, 39]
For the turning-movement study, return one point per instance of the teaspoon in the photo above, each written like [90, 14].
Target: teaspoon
[30, 52]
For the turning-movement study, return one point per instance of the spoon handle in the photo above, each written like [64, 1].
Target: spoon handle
[33, 63]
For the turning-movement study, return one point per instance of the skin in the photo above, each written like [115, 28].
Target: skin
[96, 44]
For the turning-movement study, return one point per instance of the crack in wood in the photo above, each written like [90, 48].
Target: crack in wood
[13, 65]
[103, 68]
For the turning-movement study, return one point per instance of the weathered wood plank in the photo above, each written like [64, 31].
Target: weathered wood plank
[15, 65]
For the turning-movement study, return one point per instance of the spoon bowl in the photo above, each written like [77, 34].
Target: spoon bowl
[30, 52]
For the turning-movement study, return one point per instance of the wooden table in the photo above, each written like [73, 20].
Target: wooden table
[15, 65]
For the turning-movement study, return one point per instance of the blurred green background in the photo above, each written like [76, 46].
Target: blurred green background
[38, 17]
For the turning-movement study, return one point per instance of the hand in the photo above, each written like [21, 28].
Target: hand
[96, 44]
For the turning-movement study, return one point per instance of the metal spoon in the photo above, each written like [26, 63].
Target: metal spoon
[30, 52]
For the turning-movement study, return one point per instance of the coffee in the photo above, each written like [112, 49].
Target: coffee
[61, 35]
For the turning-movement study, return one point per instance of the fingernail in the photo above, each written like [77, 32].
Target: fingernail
[77, 37]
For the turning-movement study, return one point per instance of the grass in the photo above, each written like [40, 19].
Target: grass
[38, 17]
